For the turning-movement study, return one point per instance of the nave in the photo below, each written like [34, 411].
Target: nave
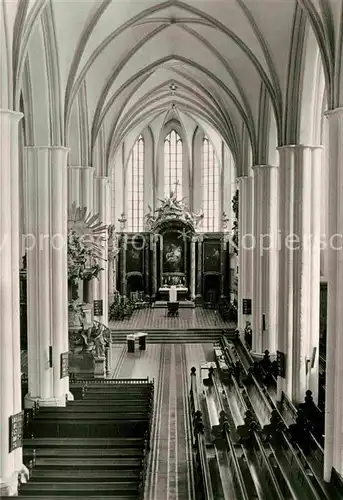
[164, 166]
[215, 431]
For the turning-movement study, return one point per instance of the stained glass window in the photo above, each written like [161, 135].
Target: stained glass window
[135, 188]
[210, 187]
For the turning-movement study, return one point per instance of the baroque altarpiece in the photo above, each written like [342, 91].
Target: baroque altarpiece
[174, 251]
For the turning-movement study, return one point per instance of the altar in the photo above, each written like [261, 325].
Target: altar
[181, 293]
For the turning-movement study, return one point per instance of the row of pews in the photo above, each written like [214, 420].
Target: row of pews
[95, 447]
[249, 447]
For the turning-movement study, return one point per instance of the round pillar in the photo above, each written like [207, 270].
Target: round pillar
[245, 246]
[333, 450]
[47, 274]
[11, 462]
[299, 268]
[265, 254]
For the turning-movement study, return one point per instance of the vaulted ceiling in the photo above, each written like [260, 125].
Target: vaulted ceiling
[234, 65]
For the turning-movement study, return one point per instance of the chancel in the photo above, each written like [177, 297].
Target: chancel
[171, 282]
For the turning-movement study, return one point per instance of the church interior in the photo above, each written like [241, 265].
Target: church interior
[171, 231]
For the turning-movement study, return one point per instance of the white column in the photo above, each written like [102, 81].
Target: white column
[47, 289]
[333, 453]
[193, 268]
[102, 187]
[87, 200]
[123, 249]
[265, 285]
[257, 265]
[199, 268]
[74, 185]
[10, 372]
[245, 246]
[154, 267]
[111, 277]
[87, 188]
[299, 268]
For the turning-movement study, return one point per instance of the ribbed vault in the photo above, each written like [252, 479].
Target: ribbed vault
[107, 68]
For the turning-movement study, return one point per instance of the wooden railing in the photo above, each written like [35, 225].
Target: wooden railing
[236, 470]
[295, 456]
[199, 441]
[144, 465]
[264, 463]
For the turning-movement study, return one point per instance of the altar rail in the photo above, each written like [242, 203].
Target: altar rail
[115, 381]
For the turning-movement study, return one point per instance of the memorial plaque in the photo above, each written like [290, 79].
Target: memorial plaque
[64, 364]
[98, 307]
[16, 431]
[247, 306]
[281, 364]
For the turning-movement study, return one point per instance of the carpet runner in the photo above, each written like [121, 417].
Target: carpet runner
[170, 472]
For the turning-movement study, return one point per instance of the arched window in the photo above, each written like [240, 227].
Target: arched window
[135, 187]
[210, 187]
[173, 164]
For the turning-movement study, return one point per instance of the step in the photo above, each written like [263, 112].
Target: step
[84, 452]
[112, 409]
[79, 403]
[113, 398]
[86, 476]
[208, 338]
[95, 429]
[103, 462]
[103, 496]
[78, 489]
[84, 443]
[91, 416]
[127, 388]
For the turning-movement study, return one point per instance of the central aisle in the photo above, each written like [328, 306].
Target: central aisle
[170, 474]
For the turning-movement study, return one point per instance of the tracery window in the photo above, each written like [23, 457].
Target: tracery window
[173, 164]
[210, 187]
[135, 188]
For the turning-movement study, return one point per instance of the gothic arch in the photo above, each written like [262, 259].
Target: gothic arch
[312, 90]
[40, 77]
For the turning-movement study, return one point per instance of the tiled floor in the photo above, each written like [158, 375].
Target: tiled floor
[150, 319]
[170, 474]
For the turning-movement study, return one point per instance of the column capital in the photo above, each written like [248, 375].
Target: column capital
[334, 112]
[47, 148]
[264, 167]
[14, 115]
[82, 167]
[245, 179]
[195, 238]
[199, 237]
[300, 147]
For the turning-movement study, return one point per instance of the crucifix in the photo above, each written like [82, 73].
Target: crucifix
[176, 184]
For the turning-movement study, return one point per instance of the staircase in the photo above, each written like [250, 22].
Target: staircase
[196, 336]
[95, 447]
